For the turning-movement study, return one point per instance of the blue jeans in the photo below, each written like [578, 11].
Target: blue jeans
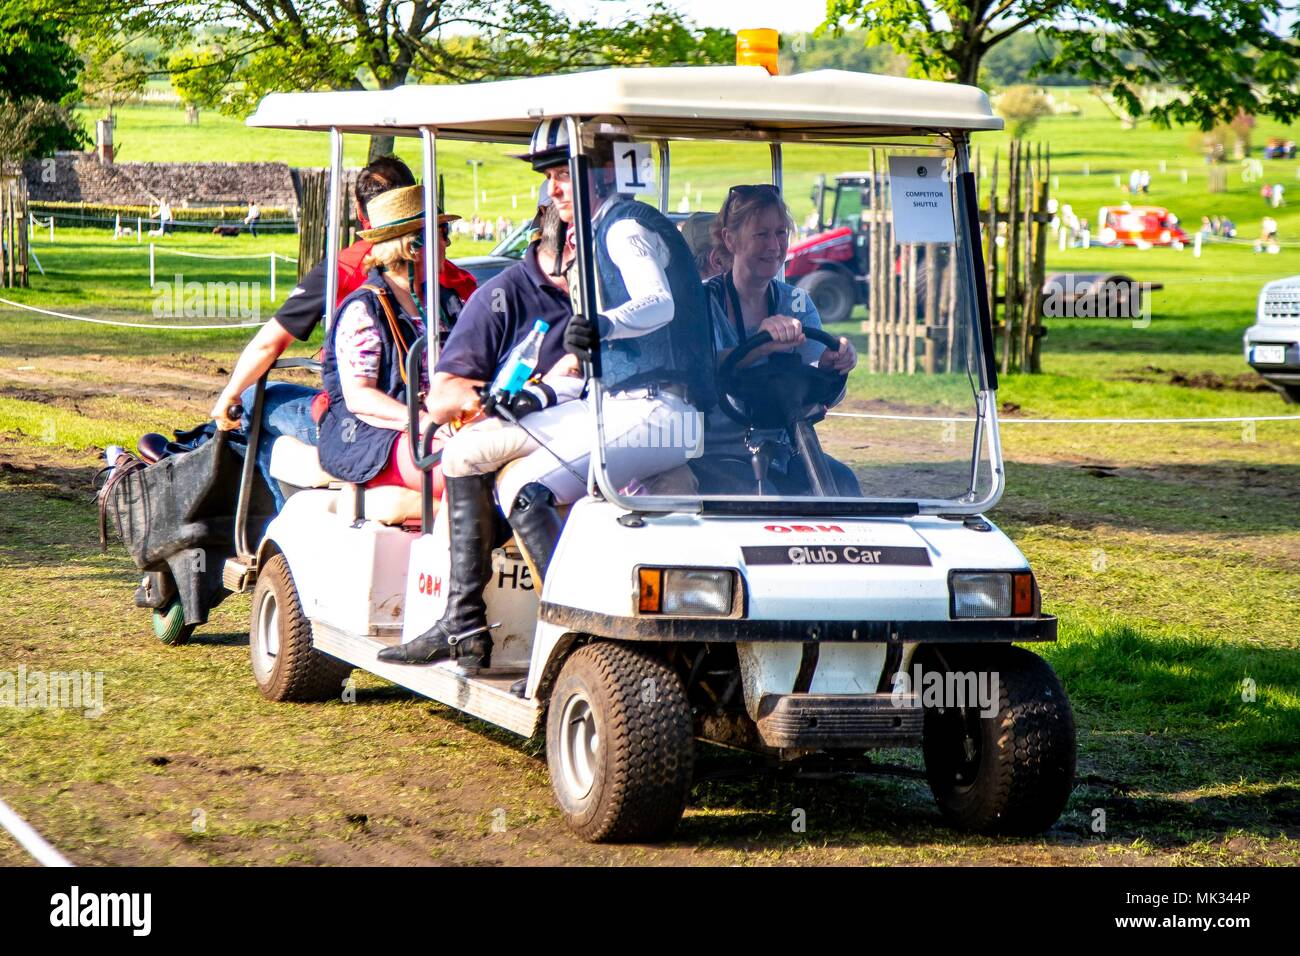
[286, 410]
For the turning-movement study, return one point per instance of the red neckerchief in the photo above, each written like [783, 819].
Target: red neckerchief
[453, 277]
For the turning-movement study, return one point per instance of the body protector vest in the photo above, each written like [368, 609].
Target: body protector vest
[679, 353]
[350, 449]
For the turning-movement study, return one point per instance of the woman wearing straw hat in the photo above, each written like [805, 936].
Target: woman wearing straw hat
[363, 436]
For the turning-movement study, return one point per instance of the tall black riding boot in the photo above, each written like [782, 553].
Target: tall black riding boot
[462, 632]
[537, 524]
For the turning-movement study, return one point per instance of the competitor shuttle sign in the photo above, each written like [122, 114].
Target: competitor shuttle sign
[922, 199]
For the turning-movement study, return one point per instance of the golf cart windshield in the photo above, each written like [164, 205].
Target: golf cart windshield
[724, 422]
[701, 410]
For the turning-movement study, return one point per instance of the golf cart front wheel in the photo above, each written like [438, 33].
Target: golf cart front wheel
[285, 665]
[169, 623]
[619, 744]
[1010, 772]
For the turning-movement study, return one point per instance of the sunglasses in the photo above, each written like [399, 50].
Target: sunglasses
[444, 230]
[748, 192]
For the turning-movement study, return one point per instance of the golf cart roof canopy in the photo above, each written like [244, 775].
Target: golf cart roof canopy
[714, 100]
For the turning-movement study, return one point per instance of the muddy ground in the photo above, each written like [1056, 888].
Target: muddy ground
[188, 765]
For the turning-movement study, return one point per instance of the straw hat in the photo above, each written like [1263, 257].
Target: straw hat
[397, 213]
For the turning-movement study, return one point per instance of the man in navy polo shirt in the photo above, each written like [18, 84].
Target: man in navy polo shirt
[496, 318]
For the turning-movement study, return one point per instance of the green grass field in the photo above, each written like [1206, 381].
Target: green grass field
[1170, 553]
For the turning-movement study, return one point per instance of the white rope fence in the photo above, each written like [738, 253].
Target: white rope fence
[1071, 421]
[134, 325]
[31, 841]
[271, 256]
[33, 223]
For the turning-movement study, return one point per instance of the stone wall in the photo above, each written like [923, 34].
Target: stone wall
[80, 177]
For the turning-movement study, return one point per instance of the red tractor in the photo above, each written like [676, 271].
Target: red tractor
[832, 264]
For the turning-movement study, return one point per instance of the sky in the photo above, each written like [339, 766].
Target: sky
[787, 16]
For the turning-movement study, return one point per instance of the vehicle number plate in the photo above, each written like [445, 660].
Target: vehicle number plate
[1268, 354]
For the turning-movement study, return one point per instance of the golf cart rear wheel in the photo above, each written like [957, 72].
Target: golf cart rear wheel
[169, 623]
[285, 665]
[1012, 772]
[619, 744]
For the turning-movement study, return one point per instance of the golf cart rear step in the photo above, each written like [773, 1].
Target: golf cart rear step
[238, 577]
[485, 695]
[840, 720]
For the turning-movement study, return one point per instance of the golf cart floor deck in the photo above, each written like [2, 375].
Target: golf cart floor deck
[485, 695]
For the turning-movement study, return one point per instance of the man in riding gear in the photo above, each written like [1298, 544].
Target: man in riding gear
[655, 363]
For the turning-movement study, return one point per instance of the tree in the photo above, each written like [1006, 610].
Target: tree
[1221, 55]
[1019, 59]
[38, 70]
[112, 75]
[24, 126]
[195, 80]
[283, 45]
[1022, 107]
[803, 52]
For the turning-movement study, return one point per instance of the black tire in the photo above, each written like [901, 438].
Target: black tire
[285, 665]
[1017, 772]
[832, 292]
[1290, 393]
[169, 624]
[638, 778]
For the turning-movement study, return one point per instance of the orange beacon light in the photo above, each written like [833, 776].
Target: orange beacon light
[757, 48]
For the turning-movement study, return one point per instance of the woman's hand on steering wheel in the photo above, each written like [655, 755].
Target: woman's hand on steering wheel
[843, 360]
[786, 331]
[786, 334]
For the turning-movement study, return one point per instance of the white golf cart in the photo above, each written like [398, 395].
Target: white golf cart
[792, 625]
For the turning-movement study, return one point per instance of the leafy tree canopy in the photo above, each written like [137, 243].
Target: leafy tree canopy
[279, 45]
[38, 74]
[1222, 56]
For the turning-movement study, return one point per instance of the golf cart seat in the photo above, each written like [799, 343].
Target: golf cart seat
[294, 462]
[296, 465]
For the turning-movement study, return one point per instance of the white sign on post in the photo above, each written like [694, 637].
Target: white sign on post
[922, 198]
[634, 168]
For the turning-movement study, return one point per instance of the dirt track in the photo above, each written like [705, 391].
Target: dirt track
[189, 765]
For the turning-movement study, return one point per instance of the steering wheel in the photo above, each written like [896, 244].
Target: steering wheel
[781, 391]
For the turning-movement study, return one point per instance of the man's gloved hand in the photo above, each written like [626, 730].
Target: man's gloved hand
[531, 398]
[525, 402]
[487, 401]
[582, 338]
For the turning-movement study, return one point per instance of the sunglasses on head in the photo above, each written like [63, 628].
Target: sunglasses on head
[749, 192]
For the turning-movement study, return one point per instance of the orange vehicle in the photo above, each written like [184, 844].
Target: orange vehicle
[1129, 225]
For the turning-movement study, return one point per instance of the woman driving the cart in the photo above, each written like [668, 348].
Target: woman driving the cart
[751, 234]
[363, 437]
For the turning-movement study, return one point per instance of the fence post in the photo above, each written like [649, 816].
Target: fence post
[138, 233]
[151, 267]
[273, 277]
[1196, 246]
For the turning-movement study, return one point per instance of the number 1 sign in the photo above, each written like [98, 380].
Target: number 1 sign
[634, 168]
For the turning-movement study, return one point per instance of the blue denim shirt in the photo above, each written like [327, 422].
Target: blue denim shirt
[788, 300]
[722, 436]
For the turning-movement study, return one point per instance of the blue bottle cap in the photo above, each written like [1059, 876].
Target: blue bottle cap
[541, 326]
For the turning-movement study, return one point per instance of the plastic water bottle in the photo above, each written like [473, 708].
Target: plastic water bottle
[521, 364]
